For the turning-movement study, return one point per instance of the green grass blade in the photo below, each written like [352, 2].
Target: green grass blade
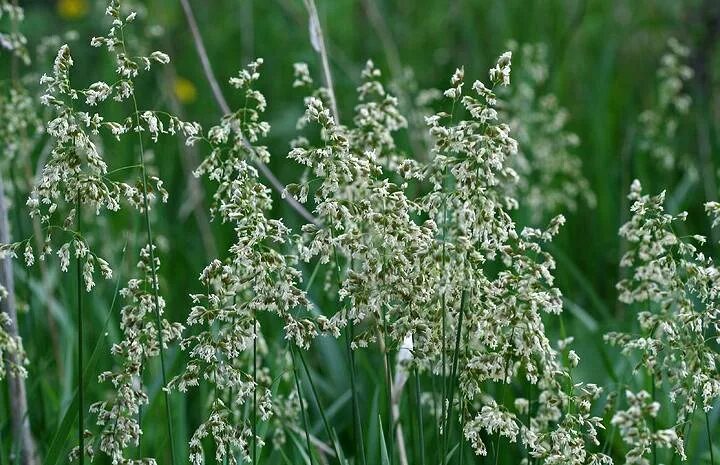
[59, 442]
[384, 458]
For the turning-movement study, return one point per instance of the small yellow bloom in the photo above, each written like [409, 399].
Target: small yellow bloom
[72, 9]
[185, 90]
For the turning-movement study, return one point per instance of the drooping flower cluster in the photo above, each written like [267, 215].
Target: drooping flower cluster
[676, 289]
[76, 174]
[20, 122]
[365, 217]
[12, 354]
[492, 284]
[636, 431]
[76, 178]
[12, 40]
[119, 416]
[659, 124]
[254, 278]
[549, 171]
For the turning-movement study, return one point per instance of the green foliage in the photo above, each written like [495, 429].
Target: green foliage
[340, 341]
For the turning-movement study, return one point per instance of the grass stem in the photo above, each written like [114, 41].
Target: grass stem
[418, 410]
[80, 355]
[709, 438]
[302, 406]
[153, 272]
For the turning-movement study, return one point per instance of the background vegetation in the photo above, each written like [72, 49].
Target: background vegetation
[603, 58]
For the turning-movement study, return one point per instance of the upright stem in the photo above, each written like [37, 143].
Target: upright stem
[349, 335]
[225, 108]
[389, 389]
[155, 284]
[456, 357]
[302, 407]
[502, 402]
[19, 418]
[255, 406]
[318, 42]
[709, 438]
[654, 421]
[443, 326]
[81, 381]
[357, 424]
[418, 406]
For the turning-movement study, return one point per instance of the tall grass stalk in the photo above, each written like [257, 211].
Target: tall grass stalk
[255, 404]
[418, 414]
[303, 413]
[318, 42]
[349, 335]
[453, 374]
[81, 380]
[153, 272]
[388, 392]
[709, 438]
[654, 420]
[328, 430]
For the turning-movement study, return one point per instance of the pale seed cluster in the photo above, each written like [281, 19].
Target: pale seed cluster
[659, 124]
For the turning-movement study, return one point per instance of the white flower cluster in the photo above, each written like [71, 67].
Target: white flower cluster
[491, 286]
[254, 278]
[549, 171]
[638, 434]
[659, 125]
[677, 290]
[12, 354]
[365, 217]
[76, 173]
[20, 122]
[118, 417]
[12, 41]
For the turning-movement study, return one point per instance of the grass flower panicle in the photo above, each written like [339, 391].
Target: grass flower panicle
[659, 124]
[550, 177]
[255, 278]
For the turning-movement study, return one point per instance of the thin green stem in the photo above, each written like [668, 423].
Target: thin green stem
[709, 438]
[501, 402]
[81, 380]
[360, 445]
[418, 408]
[443, 330]
[388, 387]
[255, 403]
[462, 428]
[349, 335]
[654, 421]
[316, 397]
[302, 407]
[453, 375]
[155, 284]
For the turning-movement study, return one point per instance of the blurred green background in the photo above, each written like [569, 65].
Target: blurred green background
[603, 57]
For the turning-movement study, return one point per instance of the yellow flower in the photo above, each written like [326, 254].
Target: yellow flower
[185, 90]
[72, 9]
